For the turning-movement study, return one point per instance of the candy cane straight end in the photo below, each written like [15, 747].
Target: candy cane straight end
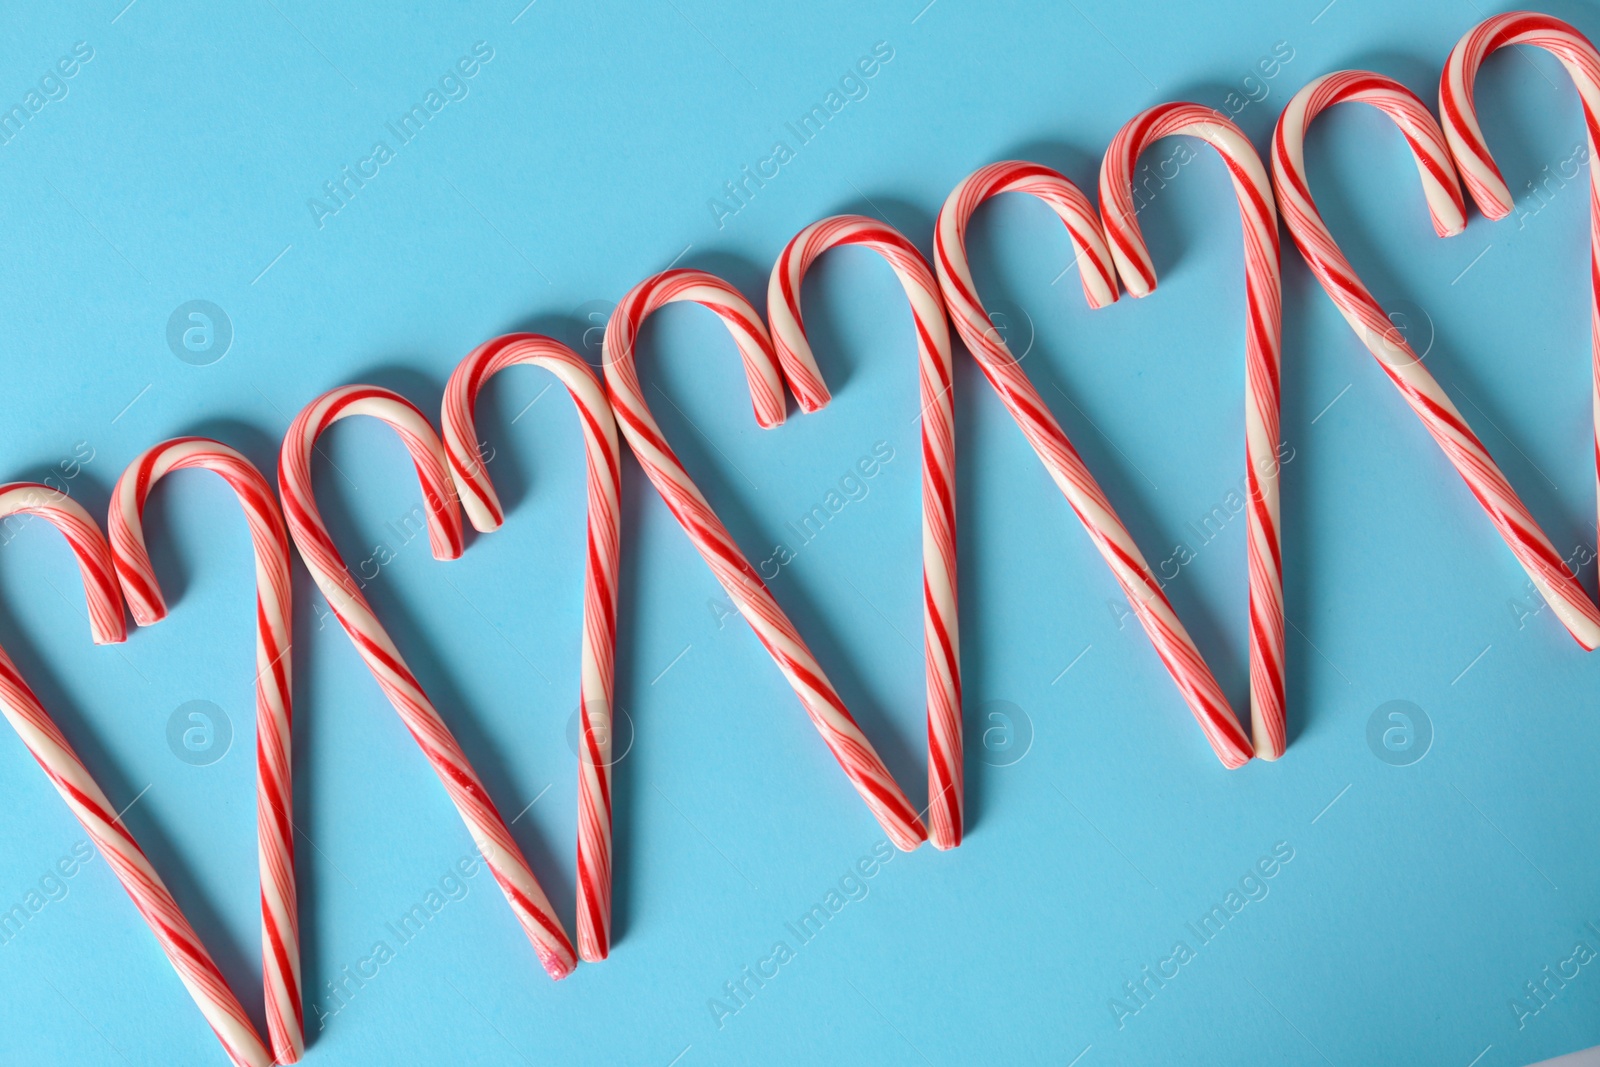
[945, 838]
[1137, 287]
[1268, 739]
[1101, 298]
[908, 839]
[483, 520]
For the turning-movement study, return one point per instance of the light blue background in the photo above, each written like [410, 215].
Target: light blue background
[178, 167]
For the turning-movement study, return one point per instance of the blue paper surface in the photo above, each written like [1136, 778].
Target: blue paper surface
[1425, 868]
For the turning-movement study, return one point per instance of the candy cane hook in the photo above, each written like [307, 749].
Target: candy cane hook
[604, 538]
[772, 627]
[280, 939]
[941, 636]
[1489, 192]
[72, 780]
[1087, 500]
[1263, 308]
[372, 641]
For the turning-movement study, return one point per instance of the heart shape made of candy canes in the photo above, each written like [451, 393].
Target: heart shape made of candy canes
[844, 738]
[1373, 326]
[466, 790]
[280, 939]
[603, 548]
[111, 837]
[941, 638]
[1100, 263]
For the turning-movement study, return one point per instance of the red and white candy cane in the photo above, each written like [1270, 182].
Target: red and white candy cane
[604, 540]
[1263, 312]
[1388, 345]
[1489, 192]
[940, 633]
[73, 781]
[280, 939]
[1088, 501]
[350, 607]
[772, 627]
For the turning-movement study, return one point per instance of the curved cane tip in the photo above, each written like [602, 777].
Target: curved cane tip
[1098, 300]
[110, 635]
[148, 614]
[1488, 191]
[484, 519]
[908, 841]
[1493, 210]
[1136, 285]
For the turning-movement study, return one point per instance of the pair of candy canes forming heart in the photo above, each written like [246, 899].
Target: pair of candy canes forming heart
[124, 560]
[451, 470]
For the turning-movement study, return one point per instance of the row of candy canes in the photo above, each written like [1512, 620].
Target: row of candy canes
[453, 477]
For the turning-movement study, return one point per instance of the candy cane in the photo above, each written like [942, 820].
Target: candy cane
[941, 636]
[372, 641]
[1388, 345]
[1088, 501]
[1263, 309]
[280, 939]
[772, 627]
[1489, 192]
[73, 781]
[599, 586]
